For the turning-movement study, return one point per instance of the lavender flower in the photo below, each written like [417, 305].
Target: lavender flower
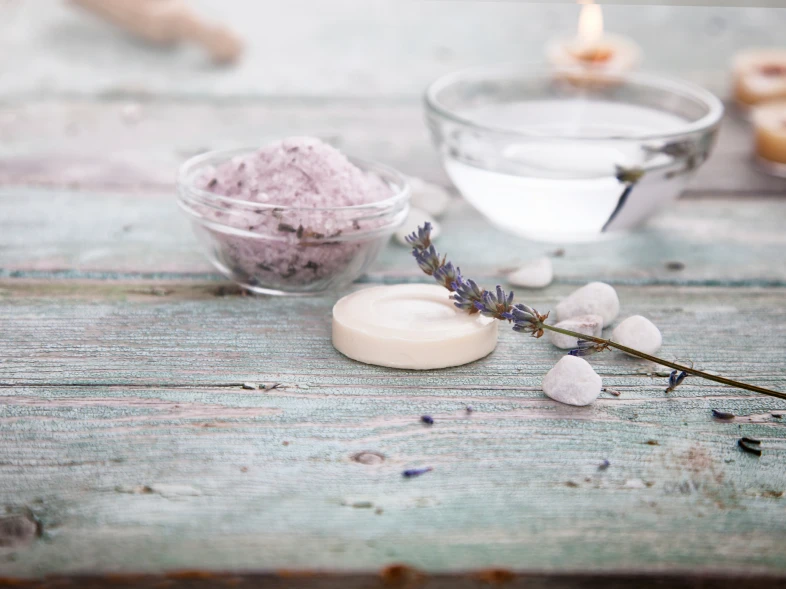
[421, 238]
[448, 276]
[467, 293]
[528, 320]
[497, 306]
[427, 259]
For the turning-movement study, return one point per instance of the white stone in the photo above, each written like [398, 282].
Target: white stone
[586, 324]
[595, 298]
[536, 273]
[416, 218]
[638, 332]
[572, 381]
[429, 197]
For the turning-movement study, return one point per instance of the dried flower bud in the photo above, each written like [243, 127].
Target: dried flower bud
[448, 276]
[427, 259]
[415, 472]
[587, 348]
[421, 238]
[467, 293]
[527, 320]
[675, 380]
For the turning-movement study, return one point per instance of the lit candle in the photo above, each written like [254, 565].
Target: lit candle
[759, 76]
[769, 123]
[592, 50]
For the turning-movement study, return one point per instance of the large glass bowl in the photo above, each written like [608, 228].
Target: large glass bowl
[561, 155]
[276, 250]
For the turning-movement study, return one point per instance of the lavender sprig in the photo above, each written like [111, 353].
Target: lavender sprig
[470, 297]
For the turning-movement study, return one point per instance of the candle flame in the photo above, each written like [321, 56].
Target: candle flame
[590, 23]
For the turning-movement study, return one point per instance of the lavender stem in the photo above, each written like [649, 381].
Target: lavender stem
[470, 297]
[633, 352]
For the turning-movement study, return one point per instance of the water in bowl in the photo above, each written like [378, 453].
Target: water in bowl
[562, 182]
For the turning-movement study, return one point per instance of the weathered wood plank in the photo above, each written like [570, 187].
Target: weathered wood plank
[115, 235]
[128, 444]
[124, 429]
[351, 49]
[62, 143]
[122, 334]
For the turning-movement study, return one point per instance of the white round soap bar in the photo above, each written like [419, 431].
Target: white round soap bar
[411, 326]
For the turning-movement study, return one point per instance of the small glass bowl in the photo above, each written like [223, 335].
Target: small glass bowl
[276, 250]
[569, 155]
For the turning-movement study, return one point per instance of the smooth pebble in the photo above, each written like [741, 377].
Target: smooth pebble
[429, 197]
[638, 332]
[572, 381]
[416, 218]
[595, 298]
[586, 324]
[536, 273]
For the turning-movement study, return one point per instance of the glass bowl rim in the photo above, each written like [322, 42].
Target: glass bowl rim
[185, 183]
[525, 71]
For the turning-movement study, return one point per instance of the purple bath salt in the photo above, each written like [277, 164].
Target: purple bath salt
[290, 237]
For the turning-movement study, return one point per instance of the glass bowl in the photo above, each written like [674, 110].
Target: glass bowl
[276, 250]
[567, 155]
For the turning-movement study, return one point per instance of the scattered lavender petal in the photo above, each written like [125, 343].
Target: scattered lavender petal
[749, 449]
[416, 472]
[722, 414]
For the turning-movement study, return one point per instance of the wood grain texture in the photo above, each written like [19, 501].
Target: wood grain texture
[377, 48]
[71, 234]
[136, 145]
[125, 430]
[128, 444]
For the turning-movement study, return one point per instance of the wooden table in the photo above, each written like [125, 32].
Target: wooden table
[131, 455]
